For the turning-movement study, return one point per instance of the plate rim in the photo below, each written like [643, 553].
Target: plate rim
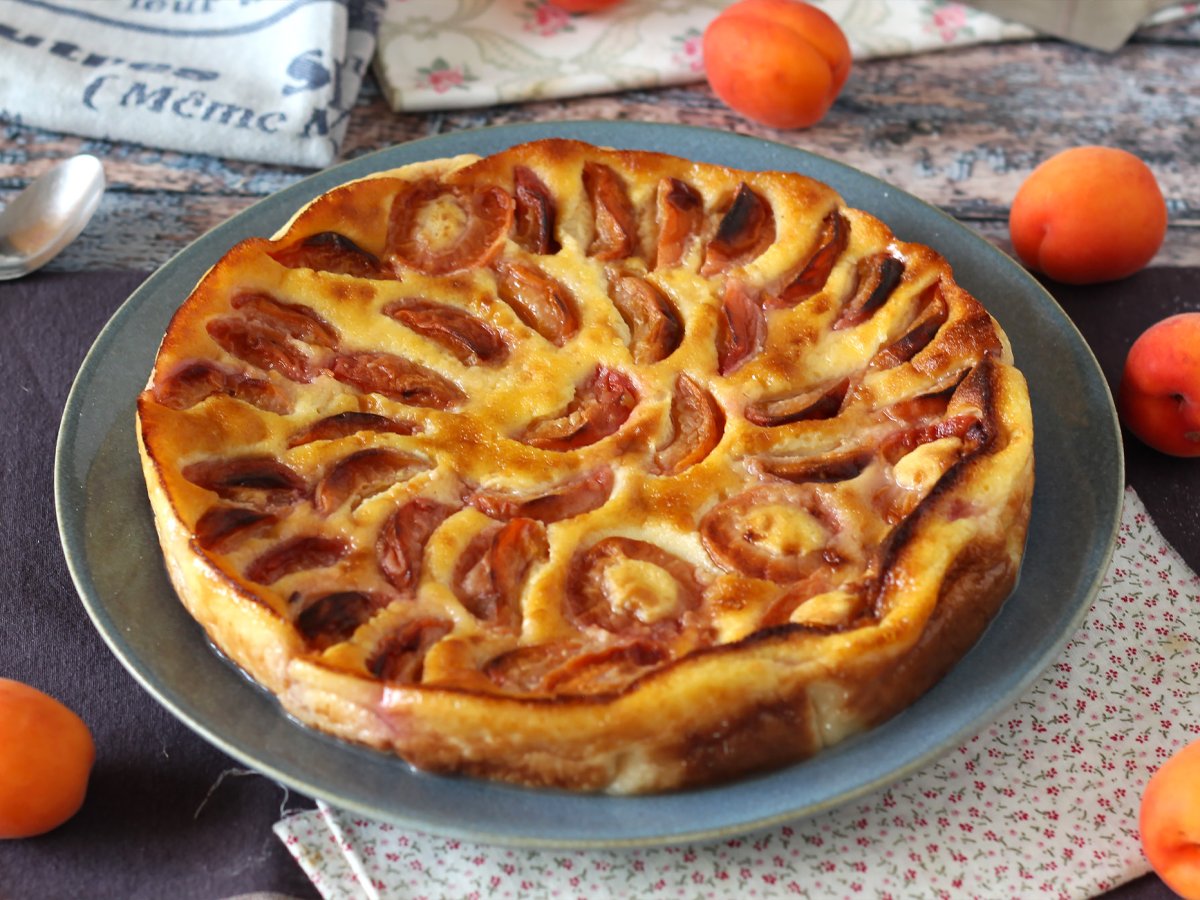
[427, 148]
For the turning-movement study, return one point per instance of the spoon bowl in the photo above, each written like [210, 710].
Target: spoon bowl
[48, 215]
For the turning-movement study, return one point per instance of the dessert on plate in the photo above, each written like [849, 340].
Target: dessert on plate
[588, 468]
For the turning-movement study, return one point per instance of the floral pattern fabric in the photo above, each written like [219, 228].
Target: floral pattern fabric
[453, 54]
[1043, 802]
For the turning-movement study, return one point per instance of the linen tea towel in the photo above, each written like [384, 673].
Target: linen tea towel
[265, 80]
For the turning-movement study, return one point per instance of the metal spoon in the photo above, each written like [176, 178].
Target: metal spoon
[48, 215]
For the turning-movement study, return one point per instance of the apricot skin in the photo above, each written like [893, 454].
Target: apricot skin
[778, 62]
[1169, 822]
[1088, 214]
[46, 756]
[1159, 395]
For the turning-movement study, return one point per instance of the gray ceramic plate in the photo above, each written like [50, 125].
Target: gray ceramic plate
[109, 540]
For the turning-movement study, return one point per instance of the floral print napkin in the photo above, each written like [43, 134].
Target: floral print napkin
[435, 54]
[1043, 802]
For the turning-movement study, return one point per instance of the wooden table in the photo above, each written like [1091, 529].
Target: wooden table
[960, 129]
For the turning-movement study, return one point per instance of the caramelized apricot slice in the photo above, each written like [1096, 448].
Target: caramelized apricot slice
[298, 554]
[878, 276]
[437, 228]
[697, 422]
[293, 319]
[932, 405]
[525, 669]
[491, 572]
[540, 302]
[345, 424]
[654, 326]
[606, 671]
[631, 588]
[401, 543]
[851, 611]
[774, 531]
[825, 468]
[223, 528]
[680, 218]
[471, 340]
[400, 657]
[536, 212]
[261, 481]
[831, 244]
[263, 346]
[564, 502]
[363, 474]
[333, 618]
[398, 379]
[564, 668]
[745, 231]
[329, 251]
[198, 381]
[822, 402]
[616, 233]
[967, 428]
[599, 408]
[741, 328]
[918, 336]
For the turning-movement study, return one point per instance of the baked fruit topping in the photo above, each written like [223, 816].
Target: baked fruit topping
[588, 468]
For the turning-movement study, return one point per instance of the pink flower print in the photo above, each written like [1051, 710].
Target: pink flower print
[689, 50]
[545, 20]
[948, 21]
[445, 79]
[440, 77]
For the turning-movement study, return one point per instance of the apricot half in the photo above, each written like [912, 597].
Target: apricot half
[1169, 822]
[778, 62]
[1088, 214]
[46, 755]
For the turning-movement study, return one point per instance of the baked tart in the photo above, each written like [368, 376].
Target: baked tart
[586, 468]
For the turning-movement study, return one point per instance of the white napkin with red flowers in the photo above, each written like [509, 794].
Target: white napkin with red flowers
[438, 55]
[1043, 802]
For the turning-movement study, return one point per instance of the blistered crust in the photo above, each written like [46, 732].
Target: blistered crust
[592, 469]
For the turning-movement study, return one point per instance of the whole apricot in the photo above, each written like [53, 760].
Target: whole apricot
[1159, 396]
[46, 756]
[1088, 214]
[1169, 821]
[778, 62]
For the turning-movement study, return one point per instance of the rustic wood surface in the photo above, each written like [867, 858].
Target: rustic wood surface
[960, 129]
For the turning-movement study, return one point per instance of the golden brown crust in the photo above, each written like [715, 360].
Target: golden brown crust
[588, 468]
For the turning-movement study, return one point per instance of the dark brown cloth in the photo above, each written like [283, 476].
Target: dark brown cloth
[1110, 317]
[160, 820]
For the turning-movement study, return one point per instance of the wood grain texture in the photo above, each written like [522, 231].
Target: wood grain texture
[960, 129]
